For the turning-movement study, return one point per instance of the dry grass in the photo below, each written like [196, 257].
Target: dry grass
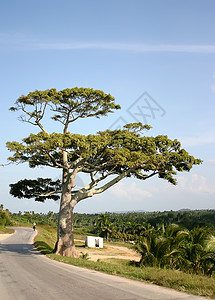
[109, 252]
[4, 230]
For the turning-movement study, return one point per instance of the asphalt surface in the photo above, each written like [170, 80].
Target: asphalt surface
[25, 274]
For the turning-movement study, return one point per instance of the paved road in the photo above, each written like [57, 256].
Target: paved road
[25, 274]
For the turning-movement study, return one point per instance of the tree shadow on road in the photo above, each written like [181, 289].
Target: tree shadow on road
[43, 247]
[26, 249]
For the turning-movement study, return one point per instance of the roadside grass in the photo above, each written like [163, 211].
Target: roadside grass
[45, 239]
[4, 230]
[190, 283]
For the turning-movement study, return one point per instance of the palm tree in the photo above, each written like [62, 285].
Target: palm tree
[153, 249]
[175, 235]
[197, 253]
[160, 248]
[105, 225]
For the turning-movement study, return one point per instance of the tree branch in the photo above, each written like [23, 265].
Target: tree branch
[57, 165]
[110, 183]
[48, 194]
[87, 191]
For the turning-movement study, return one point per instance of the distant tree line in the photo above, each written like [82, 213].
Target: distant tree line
[122, 225]
[29, 218]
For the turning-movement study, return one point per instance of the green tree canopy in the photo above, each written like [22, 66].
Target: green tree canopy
[107, 157]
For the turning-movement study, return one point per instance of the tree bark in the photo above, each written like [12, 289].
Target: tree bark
[65, 245]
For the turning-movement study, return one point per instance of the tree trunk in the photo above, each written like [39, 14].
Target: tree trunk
[65, 245]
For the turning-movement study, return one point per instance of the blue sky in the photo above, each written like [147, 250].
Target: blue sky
[150, 54]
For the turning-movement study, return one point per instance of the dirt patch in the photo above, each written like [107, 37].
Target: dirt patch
[109, 252]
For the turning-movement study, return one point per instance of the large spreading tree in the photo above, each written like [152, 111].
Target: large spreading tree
[106, 157]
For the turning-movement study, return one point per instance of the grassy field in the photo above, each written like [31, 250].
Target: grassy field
[4, 230]
[180, 281]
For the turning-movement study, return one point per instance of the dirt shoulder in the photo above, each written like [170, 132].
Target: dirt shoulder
[110, 252]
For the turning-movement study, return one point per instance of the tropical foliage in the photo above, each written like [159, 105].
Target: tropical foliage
[4, 217]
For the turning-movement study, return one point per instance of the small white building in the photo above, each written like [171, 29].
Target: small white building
[93, 241]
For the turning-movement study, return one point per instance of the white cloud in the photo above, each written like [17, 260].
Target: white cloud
[211, 162]
[24, 42]
[131, 191]
[140, 48]
[196, 184]
[198, 140]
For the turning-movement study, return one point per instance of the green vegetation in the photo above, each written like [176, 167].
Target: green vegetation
[171, 246]
[178, 249]
[28, 218]
[4, 220]
[46, 239]
[124, 225]
[4, 230]
[191, 283]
